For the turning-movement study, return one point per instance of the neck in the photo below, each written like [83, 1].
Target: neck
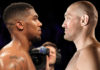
[21, 41]
[84, 40]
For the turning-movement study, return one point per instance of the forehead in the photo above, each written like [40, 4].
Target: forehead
[70, 11]
[51, 48]
[74, 10]
[32, 13]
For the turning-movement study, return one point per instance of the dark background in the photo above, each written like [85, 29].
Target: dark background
[51, 14]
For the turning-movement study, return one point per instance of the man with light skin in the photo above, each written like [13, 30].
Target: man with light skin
[51, 59]
[80, 22]
[25, 28]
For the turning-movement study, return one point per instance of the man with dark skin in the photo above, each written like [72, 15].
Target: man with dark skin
[80, 22]
[25, 28]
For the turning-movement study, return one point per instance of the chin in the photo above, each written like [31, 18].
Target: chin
[52, 63]
[67, 38]
[36, 39]
[39, 38]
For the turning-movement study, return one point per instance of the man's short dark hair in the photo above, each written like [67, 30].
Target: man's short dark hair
[15, 10]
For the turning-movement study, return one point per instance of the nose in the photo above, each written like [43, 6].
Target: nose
[49, 53]
[63, 25]
[39, 23]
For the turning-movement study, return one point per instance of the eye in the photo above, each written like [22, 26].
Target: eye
[52, 52]
[68, 18]
[35, 17]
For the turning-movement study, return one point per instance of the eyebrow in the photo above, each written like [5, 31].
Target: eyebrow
[35, 16]
[67, 14]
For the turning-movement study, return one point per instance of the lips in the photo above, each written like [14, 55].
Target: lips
[40, 31]
[65, 31]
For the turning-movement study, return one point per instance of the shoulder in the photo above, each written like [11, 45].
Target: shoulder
[88, 59]
[88, 51]
[12, 61]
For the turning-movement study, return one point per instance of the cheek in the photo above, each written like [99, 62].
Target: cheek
[75, 25]
[33, 27]
[33, 24]
[70, 27]
[54, 56]
[69, 24]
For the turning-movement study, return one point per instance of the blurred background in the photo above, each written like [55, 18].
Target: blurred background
[51, 14]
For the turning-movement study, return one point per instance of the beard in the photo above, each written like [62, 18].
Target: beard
[35, 40]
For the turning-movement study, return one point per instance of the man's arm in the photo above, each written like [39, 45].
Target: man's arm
[88, 60]
[13, 63]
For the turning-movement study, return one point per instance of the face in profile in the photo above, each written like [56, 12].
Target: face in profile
[33, 25]
[52, 55]
[71, 24]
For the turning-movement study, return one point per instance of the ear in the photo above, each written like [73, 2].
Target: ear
[84, 20]
[19, 25]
